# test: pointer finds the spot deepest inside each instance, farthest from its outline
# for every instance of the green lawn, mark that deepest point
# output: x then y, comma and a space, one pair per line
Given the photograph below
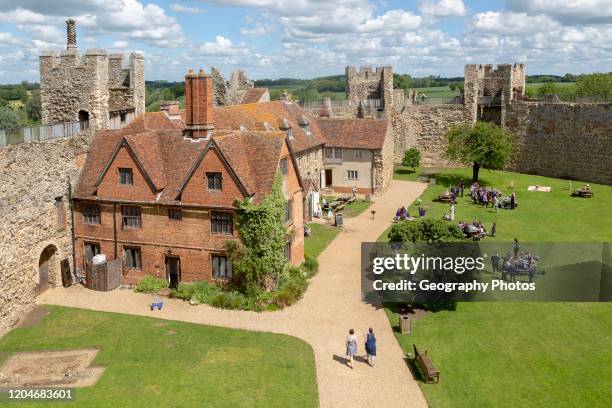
154, 363
539, 217
321, 236
353, 209
519, 354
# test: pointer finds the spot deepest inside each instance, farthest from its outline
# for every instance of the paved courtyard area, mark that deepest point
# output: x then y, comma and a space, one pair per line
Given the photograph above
331, 306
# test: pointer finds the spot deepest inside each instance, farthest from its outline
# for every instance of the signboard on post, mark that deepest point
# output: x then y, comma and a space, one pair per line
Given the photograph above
339, 219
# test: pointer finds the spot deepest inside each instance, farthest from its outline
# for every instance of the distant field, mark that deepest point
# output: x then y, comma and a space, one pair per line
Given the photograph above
536, 85
437, 91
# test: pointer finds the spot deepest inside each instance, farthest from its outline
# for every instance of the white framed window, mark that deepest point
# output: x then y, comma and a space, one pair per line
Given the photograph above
352, 174
333, 152
359, 154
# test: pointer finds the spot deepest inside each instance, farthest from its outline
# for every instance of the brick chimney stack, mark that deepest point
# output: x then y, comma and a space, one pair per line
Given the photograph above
198, 103
71, 41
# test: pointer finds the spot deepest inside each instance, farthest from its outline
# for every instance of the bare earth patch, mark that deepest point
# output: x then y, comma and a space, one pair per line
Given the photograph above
67, 368
33, 317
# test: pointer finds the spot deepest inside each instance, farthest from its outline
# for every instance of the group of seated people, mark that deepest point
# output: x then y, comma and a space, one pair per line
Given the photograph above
476, 229
403, 214
513, 266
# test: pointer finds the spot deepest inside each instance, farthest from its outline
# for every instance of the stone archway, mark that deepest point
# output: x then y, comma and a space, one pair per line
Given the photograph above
48, 268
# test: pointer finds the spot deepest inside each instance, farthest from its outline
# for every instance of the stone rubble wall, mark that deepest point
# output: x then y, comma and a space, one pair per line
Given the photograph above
564, 140
383, 163
423, 127
32, 175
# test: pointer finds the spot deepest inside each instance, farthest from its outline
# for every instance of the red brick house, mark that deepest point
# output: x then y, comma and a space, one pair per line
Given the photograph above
159, 194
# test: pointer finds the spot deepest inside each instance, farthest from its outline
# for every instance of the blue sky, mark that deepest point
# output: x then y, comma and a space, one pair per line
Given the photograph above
307, 38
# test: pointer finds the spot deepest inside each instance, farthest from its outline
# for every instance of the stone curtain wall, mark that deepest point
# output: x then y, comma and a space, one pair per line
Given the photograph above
423, 127
32, 175
562, 140
383, 163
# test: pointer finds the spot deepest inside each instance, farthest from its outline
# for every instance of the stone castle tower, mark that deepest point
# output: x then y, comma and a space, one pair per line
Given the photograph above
95, 88
366, 84
487, 90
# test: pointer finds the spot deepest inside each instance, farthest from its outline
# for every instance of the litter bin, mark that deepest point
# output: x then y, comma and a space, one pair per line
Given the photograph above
405, 324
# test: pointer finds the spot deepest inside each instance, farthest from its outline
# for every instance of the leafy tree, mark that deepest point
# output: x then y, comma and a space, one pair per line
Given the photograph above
483, 144
452, 86
259, 260
33, 108
412, 158
8, 118
427, 230
597, 84
548, 88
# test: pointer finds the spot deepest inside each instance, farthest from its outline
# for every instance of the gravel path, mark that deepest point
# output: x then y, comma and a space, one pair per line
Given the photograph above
332, 305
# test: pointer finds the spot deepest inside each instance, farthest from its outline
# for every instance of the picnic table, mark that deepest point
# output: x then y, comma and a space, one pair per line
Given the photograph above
583, 192
445, 198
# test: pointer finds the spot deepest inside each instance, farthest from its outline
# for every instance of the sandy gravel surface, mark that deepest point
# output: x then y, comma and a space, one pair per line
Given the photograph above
331, 306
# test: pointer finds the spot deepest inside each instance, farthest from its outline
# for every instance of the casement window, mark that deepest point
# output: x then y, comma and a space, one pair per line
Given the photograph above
288, 211
287, 250
91, 214
221, 267
359, 154
131, 216
283, 166
221, 223
352, 174
213, 181
333, 152
175, 214
126, 177
123, 117
132, 258
91, 249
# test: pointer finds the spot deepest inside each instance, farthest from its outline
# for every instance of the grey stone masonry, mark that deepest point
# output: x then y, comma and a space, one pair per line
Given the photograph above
89, 87
35, 216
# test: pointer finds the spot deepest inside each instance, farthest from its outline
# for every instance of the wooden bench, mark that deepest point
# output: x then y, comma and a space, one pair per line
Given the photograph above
422, 360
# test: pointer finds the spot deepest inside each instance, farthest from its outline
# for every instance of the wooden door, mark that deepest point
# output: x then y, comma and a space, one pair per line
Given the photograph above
173, 271
328, 177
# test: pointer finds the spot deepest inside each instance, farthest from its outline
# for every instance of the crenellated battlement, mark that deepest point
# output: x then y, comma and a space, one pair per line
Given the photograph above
95, 87
368, 83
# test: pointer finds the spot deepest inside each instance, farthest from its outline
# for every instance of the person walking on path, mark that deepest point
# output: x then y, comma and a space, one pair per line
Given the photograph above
370, 347
462, 186
351, 347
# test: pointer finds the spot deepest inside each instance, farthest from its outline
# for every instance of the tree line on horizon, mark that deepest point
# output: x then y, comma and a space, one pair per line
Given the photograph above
20, 103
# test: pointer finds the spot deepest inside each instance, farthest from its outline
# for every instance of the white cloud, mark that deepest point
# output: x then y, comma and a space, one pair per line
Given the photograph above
222, 47
512, 23
179, 8
567, 11
121, 44
442, 8
257, 31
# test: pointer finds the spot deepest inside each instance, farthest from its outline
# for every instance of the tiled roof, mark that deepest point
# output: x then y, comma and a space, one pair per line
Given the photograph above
253, 95
167, 158
360, 133
255, 116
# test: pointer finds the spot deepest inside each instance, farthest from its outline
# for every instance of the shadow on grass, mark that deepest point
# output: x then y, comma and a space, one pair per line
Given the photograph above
405, 171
